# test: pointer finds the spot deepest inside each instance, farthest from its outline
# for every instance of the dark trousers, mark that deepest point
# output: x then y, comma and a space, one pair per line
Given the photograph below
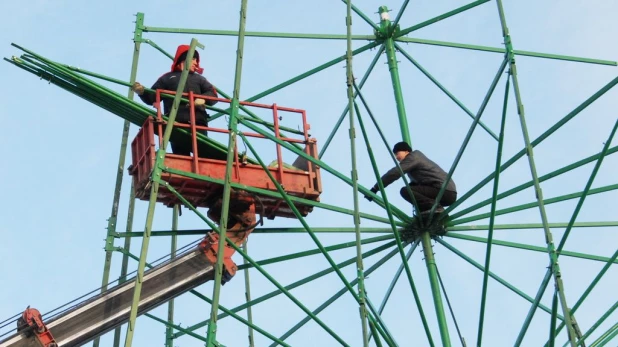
181, 144
425, 196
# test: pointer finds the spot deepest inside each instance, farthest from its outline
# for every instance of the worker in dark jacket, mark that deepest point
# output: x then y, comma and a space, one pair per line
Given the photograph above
426, 178
196, 83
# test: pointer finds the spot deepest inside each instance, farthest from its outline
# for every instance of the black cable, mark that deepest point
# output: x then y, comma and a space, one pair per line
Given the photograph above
448, 302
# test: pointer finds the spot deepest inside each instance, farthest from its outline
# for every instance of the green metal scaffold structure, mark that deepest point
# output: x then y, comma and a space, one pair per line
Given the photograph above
403, 230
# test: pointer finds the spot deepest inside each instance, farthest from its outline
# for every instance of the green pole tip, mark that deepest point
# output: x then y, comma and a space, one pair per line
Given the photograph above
382, 9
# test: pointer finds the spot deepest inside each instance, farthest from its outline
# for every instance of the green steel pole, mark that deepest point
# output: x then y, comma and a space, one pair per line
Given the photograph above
552, 324
389, 44
536, 142
345, 111
154, 191
385, 29
502, 50
125, 256
555, 267
435, 288
112, 221
443, 89
606, 337
245, 248
354, 175
436, 19
233, 127
492, 275
169, 331
492, 219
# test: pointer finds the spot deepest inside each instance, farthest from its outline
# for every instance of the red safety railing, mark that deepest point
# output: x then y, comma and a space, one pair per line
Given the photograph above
301, 180
193, 128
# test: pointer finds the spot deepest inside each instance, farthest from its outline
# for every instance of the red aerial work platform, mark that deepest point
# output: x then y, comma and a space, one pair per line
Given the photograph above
301, 179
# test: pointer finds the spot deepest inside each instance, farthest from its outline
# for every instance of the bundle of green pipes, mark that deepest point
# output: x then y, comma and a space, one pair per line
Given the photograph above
75, 81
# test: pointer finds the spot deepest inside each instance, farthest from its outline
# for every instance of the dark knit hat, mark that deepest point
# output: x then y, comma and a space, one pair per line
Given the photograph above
402, 146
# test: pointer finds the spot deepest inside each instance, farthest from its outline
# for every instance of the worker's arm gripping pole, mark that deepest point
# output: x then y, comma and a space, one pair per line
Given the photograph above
233, 127
156, 176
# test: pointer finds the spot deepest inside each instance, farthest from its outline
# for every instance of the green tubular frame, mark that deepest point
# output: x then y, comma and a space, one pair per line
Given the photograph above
387, 37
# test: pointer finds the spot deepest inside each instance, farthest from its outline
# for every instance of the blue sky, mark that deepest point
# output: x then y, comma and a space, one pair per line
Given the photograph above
60, 154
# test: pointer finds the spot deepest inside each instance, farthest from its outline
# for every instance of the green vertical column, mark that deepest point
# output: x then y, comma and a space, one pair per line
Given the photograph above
233, 128
386, 33
154, 191
112, 221
430, 261
354, 175
245, 248
169, 331
124, 268
551, 249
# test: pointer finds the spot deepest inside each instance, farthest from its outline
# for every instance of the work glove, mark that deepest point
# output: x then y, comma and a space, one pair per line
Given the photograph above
369, 197
138, 88
200, 104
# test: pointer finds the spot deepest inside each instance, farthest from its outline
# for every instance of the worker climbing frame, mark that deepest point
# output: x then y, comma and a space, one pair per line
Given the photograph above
242, 193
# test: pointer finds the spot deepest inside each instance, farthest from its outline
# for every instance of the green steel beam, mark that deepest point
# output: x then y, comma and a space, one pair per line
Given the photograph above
301, 219
400, 14
448, 303
598, 323
113, 218
502, 50
552, 324
169, 331
533, 226
388, 150
337, 295
304, 75
432, 269
389, 45
492, 218
551, 250
363, 16
531, 248
390, 216
391, 287
169, 325
225, 205
158, 48
587, 189
606, 337
354, 176
322, 165
439, 18
254, 264
574, 217
492, 275
443, 89
277, 195
536, 204
468, 136
260, 34
537, 141
125, 258
156, 176
345, 111
294, 284
530, 183
250, 336
186, 232
599, 276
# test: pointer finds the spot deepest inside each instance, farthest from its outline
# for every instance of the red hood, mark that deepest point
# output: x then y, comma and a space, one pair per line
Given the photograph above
183, 49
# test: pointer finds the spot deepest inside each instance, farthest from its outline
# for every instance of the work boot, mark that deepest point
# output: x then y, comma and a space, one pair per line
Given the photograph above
439, 209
